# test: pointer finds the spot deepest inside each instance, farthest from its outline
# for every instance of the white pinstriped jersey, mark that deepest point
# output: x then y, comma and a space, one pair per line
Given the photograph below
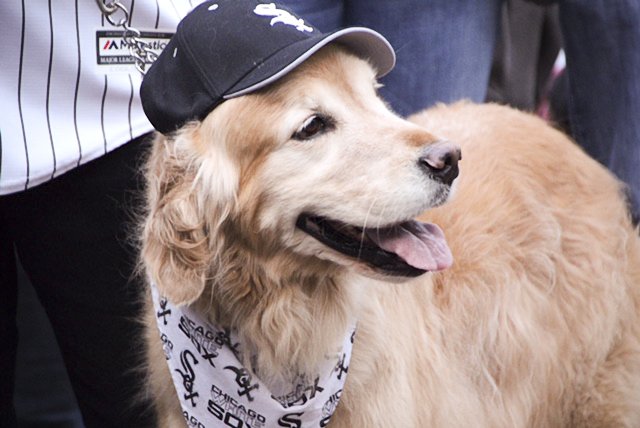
67, 94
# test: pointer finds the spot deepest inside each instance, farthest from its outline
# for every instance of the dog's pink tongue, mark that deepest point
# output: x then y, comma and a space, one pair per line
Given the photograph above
421, 245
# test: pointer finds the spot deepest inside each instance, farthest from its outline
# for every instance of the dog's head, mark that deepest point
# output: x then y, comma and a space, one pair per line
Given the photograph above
313, 173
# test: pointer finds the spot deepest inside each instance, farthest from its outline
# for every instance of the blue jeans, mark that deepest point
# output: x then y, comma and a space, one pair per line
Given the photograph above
443, 47
602, 44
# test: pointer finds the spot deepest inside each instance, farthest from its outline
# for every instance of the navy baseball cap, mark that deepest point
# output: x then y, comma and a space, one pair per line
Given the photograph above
227, 48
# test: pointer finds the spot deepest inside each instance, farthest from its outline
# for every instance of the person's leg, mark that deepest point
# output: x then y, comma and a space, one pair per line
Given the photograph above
73, 236
8, 329
43, 396
602, 44
524, 54
444, 48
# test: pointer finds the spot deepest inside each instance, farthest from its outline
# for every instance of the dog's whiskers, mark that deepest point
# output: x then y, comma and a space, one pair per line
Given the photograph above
364, 227
384, 208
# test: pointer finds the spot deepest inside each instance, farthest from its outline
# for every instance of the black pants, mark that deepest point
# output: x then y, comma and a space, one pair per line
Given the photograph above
74, 237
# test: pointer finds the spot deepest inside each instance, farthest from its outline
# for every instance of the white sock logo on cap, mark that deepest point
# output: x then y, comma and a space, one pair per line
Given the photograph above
281, 16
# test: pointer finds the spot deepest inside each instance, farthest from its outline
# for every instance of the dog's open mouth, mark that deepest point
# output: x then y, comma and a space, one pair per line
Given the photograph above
409, 248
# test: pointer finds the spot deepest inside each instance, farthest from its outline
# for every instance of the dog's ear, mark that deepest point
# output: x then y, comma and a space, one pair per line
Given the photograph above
176, 250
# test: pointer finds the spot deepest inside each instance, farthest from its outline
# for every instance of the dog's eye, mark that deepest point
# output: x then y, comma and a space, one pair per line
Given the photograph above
312, 127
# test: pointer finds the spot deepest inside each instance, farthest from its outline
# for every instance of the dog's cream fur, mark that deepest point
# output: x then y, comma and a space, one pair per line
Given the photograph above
535, 325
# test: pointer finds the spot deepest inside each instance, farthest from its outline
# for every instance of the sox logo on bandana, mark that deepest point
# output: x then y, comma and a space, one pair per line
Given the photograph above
215, 390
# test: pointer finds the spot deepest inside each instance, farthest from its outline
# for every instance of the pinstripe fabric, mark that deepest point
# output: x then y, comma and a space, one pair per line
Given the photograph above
48, 104
75, 94
60, 108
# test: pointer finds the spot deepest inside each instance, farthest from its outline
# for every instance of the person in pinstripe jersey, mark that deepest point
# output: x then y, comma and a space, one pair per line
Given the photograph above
72, 132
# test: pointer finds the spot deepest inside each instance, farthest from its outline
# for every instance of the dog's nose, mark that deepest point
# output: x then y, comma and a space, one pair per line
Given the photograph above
440, 161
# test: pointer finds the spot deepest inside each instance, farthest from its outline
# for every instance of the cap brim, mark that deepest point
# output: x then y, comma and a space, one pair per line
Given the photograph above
363, 42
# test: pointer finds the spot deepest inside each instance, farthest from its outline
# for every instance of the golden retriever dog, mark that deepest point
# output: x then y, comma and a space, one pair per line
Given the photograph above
287, 213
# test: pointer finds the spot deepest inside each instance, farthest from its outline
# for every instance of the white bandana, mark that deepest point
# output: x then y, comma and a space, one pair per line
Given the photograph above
215, 390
